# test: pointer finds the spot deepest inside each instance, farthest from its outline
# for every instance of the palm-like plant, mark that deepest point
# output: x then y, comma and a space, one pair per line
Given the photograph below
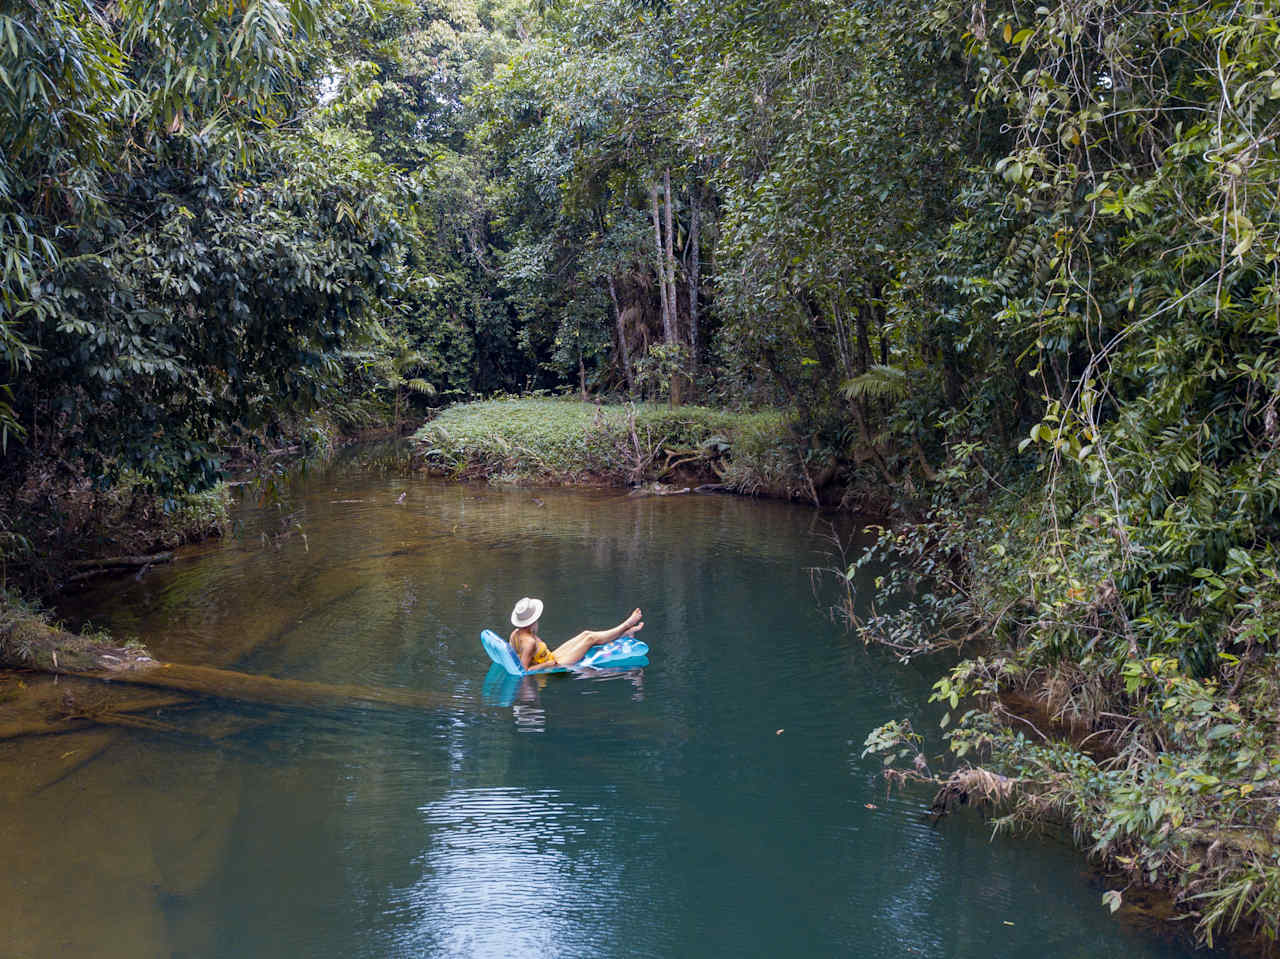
398, 371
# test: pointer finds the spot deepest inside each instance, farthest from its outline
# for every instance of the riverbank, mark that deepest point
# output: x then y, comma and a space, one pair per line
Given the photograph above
70, 531
564, 441
1101, 684
60, 526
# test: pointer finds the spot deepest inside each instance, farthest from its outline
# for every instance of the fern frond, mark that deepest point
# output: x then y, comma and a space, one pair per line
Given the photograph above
879, 382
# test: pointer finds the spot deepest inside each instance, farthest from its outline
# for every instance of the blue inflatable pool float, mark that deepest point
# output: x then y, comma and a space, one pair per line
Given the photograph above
622, 652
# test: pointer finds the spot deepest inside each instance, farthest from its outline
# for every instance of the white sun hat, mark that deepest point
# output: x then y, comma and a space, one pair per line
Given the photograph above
527, 611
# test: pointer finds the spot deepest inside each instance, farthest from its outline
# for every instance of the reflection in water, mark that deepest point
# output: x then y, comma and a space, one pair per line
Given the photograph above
503, 689
507, 874
529, 718
649, 812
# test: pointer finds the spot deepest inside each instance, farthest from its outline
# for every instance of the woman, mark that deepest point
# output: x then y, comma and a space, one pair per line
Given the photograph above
533, 653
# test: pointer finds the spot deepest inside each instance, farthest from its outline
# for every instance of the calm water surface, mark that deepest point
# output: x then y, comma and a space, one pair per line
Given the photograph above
712, 804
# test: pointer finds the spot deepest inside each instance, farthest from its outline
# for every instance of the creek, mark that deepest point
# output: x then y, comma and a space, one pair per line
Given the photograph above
713, 803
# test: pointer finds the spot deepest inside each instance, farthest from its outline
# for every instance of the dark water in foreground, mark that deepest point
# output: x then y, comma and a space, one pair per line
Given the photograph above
712, 804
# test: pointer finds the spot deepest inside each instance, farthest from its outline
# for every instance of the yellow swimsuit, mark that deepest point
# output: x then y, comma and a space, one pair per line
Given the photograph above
541, 654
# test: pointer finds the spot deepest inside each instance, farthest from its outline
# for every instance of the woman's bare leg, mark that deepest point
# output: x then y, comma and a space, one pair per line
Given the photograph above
568, 653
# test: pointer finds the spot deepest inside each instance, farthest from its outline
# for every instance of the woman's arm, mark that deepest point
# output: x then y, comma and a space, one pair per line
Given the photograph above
524, 650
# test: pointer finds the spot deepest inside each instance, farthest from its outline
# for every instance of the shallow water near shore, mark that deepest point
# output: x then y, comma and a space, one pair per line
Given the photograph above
713, 803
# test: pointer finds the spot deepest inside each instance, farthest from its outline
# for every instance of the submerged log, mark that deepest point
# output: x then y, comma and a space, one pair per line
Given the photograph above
266, 690
73, 717
31, 644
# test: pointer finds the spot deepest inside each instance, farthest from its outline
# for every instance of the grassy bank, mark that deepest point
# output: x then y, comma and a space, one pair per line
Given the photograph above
563, 440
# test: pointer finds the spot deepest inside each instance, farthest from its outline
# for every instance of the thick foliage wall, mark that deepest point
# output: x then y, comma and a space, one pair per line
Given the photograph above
186, 253
1130, 580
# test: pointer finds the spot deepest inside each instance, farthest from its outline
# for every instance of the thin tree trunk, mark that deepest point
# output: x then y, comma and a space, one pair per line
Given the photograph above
864, 404
694, 272
622, 335
677, 379
842, 339
669, 259
667, 332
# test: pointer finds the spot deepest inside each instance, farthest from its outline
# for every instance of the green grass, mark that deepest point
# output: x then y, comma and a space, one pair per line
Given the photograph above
568, 441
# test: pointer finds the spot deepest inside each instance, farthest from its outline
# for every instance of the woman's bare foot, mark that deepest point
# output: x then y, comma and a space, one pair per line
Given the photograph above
636, 628
632, 619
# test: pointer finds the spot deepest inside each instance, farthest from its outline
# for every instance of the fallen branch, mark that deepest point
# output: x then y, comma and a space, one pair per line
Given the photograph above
109, 562
266, 690
52, 725
35, 645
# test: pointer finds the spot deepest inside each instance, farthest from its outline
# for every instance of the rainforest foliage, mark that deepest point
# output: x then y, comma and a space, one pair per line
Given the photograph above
1016, 262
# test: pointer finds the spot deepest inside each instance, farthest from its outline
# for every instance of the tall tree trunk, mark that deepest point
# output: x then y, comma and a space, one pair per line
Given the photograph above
668, 334
841, 326
669, 261
622, 336
694, 272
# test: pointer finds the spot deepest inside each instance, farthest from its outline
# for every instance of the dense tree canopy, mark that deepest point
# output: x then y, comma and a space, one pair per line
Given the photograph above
193, 247
1015, 262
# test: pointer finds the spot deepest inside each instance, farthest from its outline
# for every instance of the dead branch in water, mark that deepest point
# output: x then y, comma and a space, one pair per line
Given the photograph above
971, 784
110, 562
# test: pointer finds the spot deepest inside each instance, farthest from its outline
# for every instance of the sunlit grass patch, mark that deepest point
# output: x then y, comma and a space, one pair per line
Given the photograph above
566, 440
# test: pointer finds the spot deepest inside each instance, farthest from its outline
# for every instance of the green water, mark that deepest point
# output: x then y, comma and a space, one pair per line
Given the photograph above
712, 804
